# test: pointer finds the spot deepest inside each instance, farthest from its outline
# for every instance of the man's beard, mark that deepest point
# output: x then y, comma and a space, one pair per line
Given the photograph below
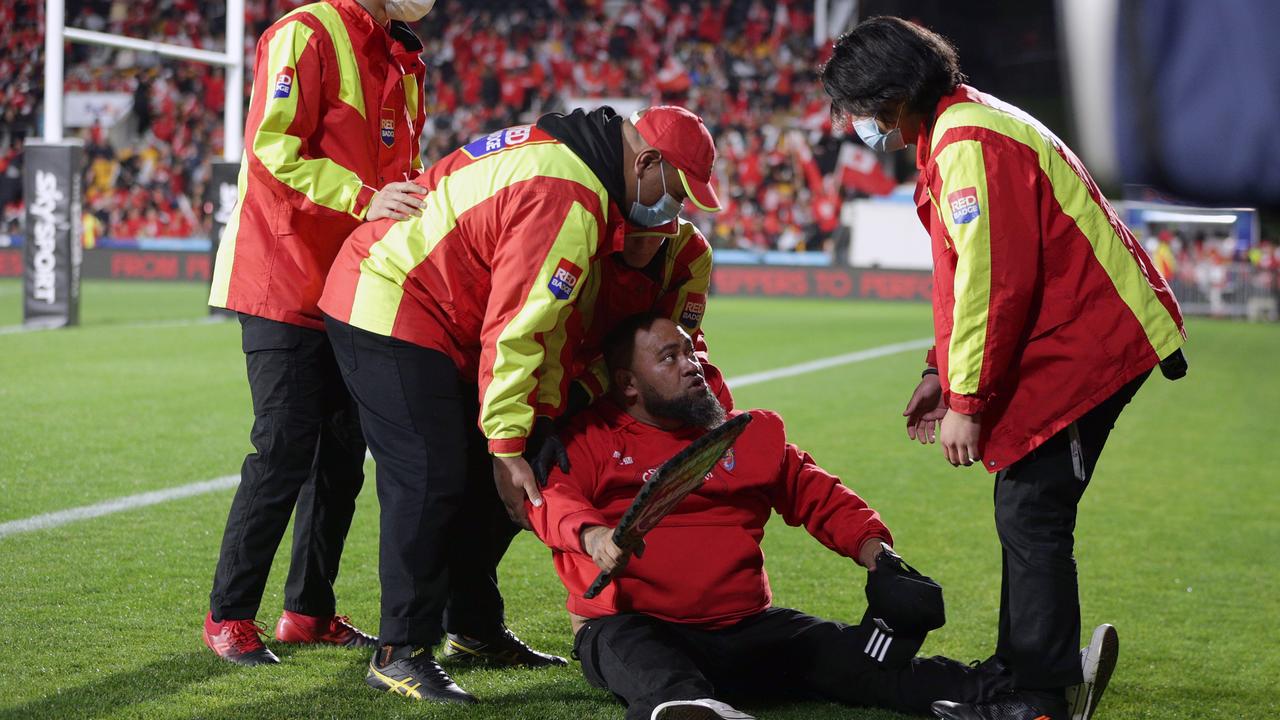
700, 410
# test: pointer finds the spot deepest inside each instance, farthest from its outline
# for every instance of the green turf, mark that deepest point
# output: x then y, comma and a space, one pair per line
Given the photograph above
1178, 535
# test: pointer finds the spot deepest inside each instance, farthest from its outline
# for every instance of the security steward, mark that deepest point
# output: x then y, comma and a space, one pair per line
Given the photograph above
1048, 317
454, 330
330, 141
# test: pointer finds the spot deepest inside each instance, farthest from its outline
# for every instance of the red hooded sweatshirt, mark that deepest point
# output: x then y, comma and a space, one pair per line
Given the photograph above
702, 564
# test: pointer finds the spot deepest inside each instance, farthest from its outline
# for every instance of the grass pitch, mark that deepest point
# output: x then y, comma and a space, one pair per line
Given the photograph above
1178, 537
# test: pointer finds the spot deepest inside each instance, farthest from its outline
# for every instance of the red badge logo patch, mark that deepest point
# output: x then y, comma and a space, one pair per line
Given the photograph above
388, 127
694, 307
564, 280
284, 83
964, 205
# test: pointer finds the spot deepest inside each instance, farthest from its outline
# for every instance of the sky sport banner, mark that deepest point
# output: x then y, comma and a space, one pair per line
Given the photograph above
220, 202
52, 251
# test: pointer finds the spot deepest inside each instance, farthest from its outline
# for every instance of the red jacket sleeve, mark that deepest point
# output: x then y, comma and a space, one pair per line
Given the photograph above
810, 496
992, 218
566, 504
538, 268
284, 112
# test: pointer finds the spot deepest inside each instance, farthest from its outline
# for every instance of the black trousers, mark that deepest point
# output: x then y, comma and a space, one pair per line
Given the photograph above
308, 454
443, 529
777, 654
1035, 507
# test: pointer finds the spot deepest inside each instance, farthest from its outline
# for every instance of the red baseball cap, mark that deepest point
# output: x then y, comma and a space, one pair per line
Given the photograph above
685, 142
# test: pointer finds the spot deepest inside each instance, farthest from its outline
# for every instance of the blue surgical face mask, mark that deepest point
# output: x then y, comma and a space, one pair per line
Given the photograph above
870, 133
661, 212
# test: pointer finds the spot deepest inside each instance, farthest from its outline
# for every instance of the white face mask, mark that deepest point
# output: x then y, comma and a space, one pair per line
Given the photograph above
409, 10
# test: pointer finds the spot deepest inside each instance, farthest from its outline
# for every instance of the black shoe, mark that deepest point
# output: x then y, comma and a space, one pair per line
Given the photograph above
1012, 706
504, 649
413, 672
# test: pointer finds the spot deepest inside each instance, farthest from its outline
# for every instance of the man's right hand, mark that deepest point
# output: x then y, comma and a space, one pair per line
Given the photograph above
925, 410
597, 541
397, 200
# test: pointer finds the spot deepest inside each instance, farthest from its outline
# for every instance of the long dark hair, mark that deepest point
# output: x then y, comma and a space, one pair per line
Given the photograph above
888, 59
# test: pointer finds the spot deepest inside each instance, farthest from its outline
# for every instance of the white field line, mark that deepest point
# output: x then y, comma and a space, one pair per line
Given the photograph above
150, 324
815, 365
131, 502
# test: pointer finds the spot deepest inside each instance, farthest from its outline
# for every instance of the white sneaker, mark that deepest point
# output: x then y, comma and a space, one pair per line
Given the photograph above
703, 709
1097, 660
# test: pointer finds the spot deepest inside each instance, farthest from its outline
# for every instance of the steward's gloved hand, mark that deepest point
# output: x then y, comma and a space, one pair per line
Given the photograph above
544, 450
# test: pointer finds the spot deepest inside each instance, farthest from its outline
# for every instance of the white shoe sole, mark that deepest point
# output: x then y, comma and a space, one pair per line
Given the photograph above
1098, 661
696, 710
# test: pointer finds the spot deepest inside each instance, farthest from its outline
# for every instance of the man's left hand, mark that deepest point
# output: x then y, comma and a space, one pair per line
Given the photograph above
959, 438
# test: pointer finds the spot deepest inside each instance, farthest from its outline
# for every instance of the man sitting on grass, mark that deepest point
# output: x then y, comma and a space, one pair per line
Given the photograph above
688, 622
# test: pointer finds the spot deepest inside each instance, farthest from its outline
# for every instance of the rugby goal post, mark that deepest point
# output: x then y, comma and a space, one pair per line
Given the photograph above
52, 192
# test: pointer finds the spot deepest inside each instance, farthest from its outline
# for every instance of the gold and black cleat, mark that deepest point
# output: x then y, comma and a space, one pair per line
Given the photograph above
501, 650
413, 672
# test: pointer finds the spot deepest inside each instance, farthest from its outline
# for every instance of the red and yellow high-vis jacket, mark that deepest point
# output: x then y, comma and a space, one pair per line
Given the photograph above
675, 286
1044, 303
489, 274
336, 113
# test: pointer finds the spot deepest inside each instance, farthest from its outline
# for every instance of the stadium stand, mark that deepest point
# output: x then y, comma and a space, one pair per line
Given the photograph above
745, 65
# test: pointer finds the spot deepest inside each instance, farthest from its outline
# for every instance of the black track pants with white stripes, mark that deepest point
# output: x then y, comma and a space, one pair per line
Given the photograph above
775, 655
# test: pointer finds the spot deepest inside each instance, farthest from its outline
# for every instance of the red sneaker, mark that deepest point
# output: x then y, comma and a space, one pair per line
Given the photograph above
237, 641
310, 630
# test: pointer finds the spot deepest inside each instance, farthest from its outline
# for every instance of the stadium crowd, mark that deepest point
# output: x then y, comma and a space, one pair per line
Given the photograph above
746, 66
1216, 271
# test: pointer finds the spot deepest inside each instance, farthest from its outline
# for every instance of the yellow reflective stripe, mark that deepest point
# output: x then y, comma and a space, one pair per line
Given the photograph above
380, 288
693, 198
410, 83
599, 369
322, 180
961, 165
699, 278
221, 284
938, 209
553, 370
411, 90
395, 255
505, 411
588, 290
1073, 196
350, 87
